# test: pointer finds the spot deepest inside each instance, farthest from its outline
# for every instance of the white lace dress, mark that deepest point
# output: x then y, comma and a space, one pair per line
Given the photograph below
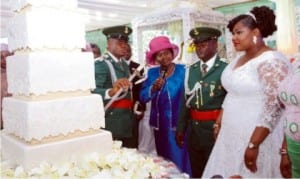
251, 101
146, 133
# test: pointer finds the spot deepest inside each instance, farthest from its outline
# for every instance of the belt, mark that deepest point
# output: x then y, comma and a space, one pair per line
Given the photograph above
122, 103
204, 115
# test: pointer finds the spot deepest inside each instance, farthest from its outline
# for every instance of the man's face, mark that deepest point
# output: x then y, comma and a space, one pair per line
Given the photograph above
96, 52
117, 47
128, 53
206, 49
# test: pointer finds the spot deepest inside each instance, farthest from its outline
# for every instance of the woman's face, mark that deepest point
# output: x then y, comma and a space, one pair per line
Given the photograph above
164, 57
242, 37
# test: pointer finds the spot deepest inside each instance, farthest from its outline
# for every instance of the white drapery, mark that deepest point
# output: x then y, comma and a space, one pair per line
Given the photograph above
286, 24
176, 21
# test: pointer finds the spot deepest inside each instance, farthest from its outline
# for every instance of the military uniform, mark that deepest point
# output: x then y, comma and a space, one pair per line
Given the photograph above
204, 97
136, 87
119, 115
139, 107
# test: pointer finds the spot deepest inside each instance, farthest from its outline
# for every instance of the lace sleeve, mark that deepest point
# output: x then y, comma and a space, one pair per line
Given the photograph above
271, 72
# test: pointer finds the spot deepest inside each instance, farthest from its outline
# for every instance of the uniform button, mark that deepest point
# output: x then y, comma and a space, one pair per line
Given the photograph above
111, 113
196, 123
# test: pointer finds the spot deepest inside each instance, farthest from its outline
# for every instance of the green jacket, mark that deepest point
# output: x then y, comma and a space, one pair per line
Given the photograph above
209, 98
117, 120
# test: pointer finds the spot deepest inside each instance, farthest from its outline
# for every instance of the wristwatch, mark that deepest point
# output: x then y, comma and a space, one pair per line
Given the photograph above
252, 146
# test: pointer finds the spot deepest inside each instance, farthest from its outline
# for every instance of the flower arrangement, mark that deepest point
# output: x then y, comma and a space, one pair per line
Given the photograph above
121, 163
191, 48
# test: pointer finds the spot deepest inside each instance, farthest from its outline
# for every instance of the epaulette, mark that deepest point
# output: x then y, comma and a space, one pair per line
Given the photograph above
105, 55
224, 60
100, 59
194, 65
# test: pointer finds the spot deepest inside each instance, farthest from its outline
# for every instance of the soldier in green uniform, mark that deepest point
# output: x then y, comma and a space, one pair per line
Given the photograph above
204, 97
111, 74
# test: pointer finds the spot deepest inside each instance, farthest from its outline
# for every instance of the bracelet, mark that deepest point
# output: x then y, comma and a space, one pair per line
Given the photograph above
251, 145
283, 151
216, 125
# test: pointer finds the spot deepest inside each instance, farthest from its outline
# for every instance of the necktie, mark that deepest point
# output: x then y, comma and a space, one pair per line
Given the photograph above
204, 69
121, 65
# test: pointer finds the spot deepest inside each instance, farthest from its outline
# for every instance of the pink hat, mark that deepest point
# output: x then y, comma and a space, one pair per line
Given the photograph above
157, 44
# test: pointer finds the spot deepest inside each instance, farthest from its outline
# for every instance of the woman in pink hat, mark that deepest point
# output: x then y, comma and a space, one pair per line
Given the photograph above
164, 87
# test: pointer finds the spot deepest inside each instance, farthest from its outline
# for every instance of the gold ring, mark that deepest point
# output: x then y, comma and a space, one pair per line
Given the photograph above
250, 163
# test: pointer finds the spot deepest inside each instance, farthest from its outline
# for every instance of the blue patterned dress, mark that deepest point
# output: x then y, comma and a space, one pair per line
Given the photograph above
165, 107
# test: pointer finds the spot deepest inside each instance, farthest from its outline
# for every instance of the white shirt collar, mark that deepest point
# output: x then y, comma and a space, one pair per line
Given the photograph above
127, 61
210, 62
115, 59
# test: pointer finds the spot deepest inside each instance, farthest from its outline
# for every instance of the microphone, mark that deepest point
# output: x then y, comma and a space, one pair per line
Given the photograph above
164, 72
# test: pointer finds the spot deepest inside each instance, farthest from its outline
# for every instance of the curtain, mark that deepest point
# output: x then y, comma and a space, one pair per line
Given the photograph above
286, 25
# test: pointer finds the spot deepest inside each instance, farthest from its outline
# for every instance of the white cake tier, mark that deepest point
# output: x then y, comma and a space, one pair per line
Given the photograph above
39, 119
30, 156
53, 71
41, 28
17, 5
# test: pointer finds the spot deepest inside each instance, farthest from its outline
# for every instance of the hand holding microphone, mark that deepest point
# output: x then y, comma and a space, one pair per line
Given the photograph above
160, 81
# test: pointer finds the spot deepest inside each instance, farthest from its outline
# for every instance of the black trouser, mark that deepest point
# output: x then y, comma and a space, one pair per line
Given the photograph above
200, 144
198, 159
131, 142
128, 142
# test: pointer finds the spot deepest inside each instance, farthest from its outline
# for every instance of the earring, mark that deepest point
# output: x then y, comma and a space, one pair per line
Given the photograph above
254, 39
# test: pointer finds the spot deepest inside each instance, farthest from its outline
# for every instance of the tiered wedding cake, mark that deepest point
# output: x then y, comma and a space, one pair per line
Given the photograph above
52, 116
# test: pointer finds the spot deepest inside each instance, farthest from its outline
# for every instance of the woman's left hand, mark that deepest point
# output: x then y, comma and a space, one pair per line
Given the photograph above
285, 166
250, 158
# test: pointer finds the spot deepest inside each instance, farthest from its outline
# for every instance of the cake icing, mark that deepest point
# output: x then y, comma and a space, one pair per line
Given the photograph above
43, 27
52, 116
51, 96
50, 71
30, 156
38, 119
21, 4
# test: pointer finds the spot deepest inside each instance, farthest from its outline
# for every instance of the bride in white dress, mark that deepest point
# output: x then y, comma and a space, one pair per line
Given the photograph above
250, 133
